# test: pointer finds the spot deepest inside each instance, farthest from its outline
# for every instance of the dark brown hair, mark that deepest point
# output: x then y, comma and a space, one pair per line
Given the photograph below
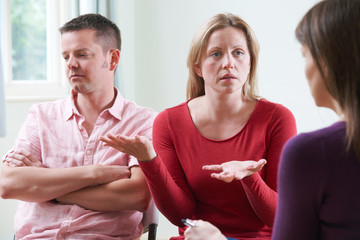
107, 33
331, 31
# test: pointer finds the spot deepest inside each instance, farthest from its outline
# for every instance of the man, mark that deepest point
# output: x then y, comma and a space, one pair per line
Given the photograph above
70, 184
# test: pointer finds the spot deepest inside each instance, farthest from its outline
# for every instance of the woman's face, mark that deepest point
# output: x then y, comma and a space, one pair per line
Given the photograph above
225, 63
316, 83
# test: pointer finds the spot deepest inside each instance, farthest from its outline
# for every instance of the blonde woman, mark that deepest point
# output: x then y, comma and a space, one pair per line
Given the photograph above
224, 124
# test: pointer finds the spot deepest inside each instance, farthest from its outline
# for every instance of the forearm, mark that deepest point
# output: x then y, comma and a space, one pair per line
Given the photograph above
262, 198
120, 195
35, 184
173, 201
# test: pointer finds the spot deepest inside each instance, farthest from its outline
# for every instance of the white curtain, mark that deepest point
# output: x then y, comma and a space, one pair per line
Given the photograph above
2, 99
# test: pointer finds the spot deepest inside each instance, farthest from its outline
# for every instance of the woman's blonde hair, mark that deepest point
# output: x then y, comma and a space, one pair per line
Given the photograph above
195, 84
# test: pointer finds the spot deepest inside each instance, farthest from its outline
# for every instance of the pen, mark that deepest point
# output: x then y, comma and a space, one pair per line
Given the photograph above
188, 222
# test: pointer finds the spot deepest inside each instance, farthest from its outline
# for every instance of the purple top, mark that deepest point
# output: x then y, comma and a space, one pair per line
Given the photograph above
319, 188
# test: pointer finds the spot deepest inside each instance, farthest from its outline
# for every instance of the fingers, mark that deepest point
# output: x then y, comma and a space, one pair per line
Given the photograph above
112, 140
19, 158
226, 177
257, 166
212, 167
108, 142
231, 170
14, 163
118, 142
139, 146
122, 172
141, 139
262, 161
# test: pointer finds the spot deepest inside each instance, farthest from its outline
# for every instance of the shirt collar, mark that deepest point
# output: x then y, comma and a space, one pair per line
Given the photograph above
115, 110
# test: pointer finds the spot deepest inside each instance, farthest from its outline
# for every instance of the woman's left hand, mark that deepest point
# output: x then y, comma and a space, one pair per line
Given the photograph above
235, 169
139, 146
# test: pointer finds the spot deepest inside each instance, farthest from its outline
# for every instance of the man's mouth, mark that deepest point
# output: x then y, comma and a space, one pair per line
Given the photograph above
76, 76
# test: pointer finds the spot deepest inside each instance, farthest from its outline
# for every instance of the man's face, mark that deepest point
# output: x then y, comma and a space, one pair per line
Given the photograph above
87, 66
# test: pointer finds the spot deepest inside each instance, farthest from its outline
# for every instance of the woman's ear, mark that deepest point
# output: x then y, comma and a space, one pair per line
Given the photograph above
115, 58
198, 70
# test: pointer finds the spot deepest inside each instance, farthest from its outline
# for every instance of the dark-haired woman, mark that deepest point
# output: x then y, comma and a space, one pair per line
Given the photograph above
319, 193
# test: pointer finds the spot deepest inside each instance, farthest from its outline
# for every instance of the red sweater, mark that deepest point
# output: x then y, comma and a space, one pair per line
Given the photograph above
181, 189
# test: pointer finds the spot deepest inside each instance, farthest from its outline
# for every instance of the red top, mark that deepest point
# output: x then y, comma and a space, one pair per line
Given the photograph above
181, 189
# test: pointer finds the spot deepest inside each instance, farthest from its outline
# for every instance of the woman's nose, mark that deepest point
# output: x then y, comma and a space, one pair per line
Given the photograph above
228, 61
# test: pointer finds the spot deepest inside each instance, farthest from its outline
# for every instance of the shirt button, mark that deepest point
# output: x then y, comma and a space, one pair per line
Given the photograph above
60, 236
88, 152
70, 218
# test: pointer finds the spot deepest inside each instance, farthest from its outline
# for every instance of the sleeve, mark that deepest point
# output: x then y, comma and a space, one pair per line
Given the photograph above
300, 191
28, 136
165, 176
262, 193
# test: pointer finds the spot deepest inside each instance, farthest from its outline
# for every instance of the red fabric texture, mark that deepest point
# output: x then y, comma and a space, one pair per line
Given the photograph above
181, 189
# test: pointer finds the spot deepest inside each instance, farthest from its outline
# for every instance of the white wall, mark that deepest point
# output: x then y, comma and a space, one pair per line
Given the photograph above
164, 30
156, 37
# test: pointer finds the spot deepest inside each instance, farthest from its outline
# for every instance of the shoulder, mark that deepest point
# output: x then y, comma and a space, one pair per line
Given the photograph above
266, 107
274, 116
132, 109
173, 113
313, 155
310, 144
49, 108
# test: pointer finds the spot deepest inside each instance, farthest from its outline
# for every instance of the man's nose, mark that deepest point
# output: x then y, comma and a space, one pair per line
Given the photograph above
72, 62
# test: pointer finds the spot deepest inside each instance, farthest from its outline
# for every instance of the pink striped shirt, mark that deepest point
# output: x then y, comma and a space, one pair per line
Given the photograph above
53, 132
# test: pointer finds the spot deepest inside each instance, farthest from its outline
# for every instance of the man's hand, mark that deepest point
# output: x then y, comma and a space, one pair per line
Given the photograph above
22, 158
108, 173
235, 169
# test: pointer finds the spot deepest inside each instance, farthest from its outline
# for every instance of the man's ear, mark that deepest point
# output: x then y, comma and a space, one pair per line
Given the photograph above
115, 58
198, 70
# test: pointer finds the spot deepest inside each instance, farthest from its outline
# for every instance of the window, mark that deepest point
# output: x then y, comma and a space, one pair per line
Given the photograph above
31, 49
28, 40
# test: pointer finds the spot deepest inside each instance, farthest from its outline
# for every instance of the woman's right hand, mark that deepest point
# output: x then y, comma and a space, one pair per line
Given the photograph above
139, 146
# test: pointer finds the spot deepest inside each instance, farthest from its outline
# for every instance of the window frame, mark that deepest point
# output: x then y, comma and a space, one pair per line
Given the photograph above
55, 86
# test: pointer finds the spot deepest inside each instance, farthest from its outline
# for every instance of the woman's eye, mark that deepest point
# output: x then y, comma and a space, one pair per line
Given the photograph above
238, 52
215, 54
